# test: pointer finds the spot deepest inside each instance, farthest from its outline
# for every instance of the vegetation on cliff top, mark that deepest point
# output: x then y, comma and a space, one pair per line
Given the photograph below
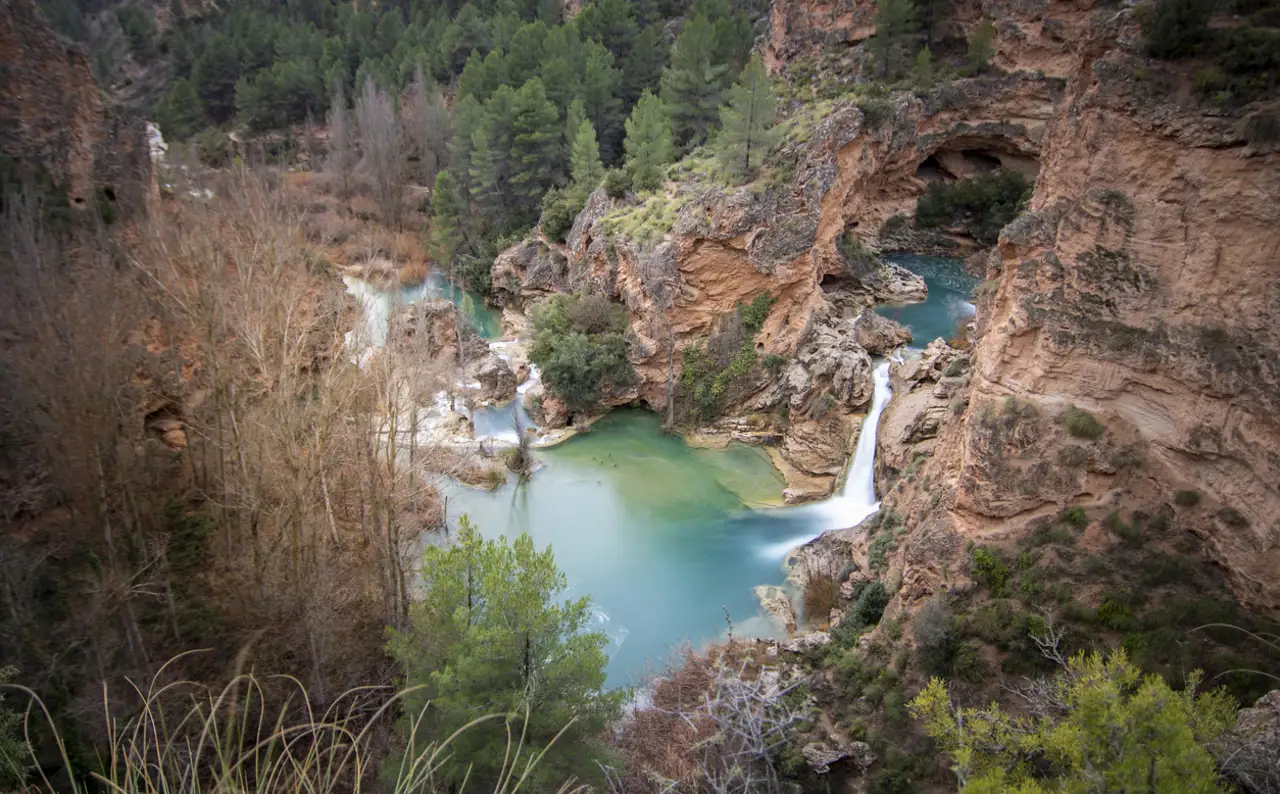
982, 205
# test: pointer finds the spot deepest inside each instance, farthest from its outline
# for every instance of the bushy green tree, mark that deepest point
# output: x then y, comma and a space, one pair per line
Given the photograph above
922, 72
610, 22
482, 75
1176, 28
139, 29
468, 116
600, 93
693, 85
895, 21
215, 74
648, 143
448, 219
747, 135
1104, 727
585, 167
493, 635
580, 345
981, 47
642, 68
537, 149
492, 155
180, 113
983, 205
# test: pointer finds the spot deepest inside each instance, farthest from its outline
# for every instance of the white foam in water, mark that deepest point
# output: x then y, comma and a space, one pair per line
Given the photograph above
857, 498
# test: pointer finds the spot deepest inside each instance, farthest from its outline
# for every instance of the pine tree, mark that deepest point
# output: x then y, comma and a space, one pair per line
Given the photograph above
692, 86
573, 118
600, 97
537, 150
931, 14
584, 160
922, 72
610, 22
895, 20
215, 74
981, 47
491, 634
482, 76
492, 155
524, 57
448, 216
746, 121
649, 147
180, 113
468, 116
643, 67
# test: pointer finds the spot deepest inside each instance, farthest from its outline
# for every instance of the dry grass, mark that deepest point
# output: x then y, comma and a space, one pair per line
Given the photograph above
259, 735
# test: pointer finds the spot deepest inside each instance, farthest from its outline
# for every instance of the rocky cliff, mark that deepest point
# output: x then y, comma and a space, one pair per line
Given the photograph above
53, 119
1141, 287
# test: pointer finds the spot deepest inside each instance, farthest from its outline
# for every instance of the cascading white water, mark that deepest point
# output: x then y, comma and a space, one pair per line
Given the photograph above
857, 497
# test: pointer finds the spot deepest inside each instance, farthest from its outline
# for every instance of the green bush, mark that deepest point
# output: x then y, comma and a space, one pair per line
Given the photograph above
869, 607
1129, 533
1233, 517
983, 205
1081, 424
1176, 28
934, 629
716, 369
139, 28
1074, 516
989, 570
1187, 498
580, 345
560, 206
875, 112
1116, 615
617, 181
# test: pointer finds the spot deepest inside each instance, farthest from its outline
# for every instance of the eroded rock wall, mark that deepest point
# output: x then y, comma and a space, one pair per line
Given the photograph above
52, 115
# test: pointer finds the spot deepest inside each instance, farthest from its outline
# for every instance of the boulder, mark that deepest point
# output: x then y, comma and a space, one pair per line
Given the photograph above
895, 284
879, 335
497, 381
807, 642
820, 756
426, 328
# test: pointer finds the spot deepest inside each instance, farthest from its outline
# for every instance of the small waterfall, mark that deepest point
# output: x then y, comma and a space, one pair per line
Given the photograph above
857, 497
860, 481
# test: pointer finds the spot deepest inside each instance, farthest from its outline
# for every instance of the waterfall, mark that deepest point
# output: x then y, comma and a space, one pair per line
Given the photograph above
857, 497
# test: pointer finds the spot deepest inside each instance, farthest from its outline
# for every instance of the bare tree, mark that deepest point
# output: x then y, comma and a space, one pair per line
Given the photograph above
340, 162
384, 152
429, 126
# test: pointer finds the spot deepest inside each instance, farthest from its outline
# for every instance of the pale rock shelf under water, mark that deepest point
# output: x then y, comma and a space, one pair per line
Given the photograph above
668, 538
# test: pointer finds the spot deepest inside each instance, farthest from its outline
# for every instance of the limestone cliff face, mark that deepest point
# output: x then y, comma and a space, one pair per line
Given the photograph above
53, 117
1141, 286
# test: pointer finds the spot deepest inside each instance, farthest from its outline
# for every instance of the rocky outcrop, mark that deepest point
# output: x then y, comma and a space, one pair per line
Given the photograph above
53, 118
496, 378
878, 335
428, 330
527, 271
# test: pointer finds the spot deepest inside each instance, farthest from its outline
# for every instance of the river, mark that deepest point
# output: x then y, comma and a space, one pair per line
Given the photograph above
670, 540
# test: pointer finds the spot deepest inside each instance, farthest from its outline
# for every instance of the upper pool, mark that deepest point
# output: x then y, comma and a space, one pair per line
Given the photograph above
949, 302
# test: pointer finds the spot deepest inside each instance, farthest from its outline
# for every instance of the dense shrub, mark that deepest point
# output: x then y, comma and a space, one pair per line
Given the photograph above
617, 181
983, 205
559, 208
1176, 28
1187, 498
933, 629
1081, 424
869, 607
1074, 516
989, 570
580, 345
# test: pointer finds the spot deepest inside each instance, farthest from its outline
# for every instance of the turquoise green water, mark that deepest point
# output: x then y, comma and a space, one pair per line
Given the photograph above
948, 305
380, 303
654, 530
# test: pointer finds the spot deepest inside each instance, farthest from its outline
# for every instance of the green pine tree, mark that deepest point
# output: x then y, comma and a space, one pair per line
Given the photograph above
895, 21
922, 72
610, 22
215, 74
692, 86
747, 135
180, 113
573, 118
468, 116
981, 47
601, 83
524, 57
643, 67
482, 76
649, 146
585, 167
448, 218
492, 635
537, 151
